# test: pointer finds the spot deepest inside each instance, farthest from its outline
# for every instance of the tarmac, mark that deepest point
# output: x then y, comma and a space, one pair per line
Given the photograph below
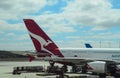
6, 68
50, 75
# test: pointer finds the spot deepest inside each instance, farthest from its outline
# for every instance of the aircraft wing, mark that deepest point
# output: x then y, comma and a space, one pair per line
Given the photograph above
66, 60
71, 60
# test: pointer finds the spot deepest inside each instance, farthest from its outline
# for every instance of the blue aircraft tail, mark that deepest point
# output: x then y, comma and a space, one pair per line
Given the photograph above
87, 45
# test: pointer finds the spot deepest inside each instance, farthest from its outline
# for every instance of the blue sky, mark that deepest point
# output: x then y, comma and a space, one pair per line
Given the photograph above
69, 23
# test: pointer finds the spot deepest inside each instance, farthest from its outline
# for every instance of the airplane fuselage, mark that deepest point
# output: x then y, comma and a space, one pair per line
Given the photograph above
112, 54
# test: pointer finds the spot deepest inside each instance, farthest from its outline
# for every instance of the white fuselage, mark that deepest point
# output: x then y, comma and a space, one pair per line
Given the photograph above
108, 54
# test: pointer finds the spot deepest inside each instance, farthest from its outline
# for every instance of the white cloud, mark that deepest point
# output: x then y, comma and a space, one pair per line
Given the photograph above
54, 23
71, 44
22, 46
13, 9
52, 2
99, 37
98, 13
6, 26
80, 43
23, 37
1, 32
10, 34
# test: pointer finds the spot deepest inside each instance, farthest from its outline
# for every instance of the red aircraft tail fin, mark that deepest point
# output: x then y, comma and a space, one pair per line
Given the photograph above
41, 41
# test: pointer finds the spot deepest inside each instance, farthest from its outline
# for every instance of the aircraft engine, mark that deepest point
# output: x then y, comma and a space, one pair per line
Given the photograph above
96, 66
118, 68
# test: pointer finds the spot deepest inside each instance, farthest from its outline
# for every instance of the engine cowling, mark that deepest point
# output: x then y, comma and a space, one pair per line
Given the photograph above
118, 68
96, 66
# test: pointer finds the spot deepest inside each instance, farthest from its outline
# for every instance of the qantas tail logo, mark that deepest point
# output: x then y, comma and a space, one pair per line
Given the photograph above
41, 41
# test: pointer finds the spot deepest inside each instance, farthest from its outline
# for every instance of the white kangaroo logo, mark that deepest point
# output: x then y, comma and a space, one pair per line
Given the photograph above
48, 42
42, 42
